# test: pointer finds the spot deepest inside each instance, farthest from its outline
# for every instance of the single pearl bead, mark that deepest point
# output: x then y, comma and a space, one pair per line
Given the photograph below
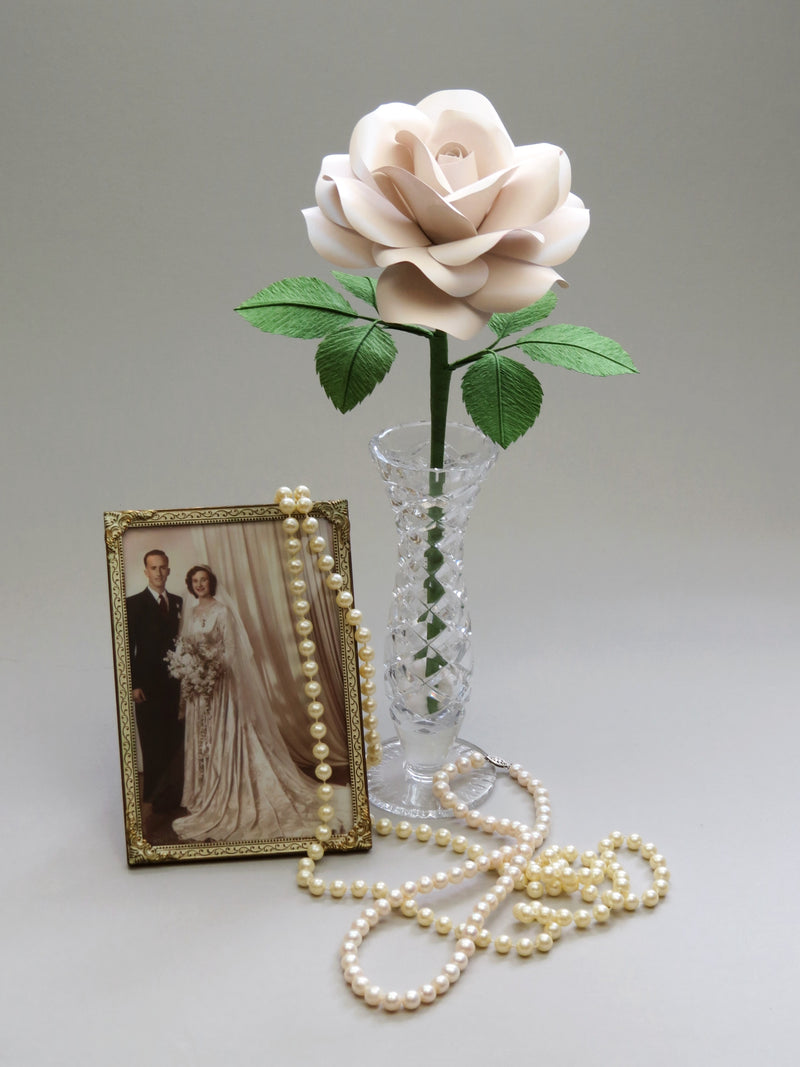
316, 887
582, 918
543, 942
441, 984
452, 970
362, 926
382, 906
395, 897
403, 829
325, 563
373, 995
344, 599
502, 944
383, 827
442, 837
425, 916
466, 945
412, 999
423, 832
427, 993
461, 959
360, 985
601, 913
380, 890
631, 902
525, 946
484, 939
325, 792
337, 889
315, 850
650, 898
444, 924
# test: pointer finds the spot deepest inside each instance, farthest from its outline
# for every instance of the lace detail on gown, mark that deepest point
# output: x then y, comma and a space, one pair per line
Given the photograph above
240, 782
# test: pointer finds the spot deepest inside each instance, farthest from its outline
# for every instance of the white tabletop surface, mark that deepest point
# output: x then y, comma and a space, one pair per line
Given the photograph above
632, 563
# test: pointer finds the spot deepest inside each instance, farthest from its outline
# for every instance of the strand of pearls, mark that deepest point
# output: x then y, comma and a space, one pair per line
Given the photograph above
555, 872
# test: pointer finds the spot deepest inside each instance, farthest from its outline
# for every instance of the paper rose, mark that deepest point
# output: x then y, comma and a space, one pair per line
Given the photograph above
461, 222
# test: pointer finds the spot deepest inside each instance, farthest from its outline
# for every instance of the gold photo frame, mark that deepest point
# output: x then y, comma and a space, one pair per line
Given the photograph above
213, 716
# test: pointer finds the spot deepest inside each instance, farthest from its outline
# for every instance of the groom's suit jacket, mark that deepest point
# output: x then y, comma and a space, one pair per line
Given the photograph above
152, 632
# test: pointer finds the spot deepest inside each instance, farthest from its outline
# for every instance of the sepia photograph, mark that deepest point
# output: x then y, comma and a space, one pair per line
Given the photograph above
214, 721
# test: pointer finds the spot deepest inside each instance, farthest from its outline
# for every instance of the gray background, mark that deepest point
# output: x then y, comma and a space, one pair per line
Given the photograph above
633, 562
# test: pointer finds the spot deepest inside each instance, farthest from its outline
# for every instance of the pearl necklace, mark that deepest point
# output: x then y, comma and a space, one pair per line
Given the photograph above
554, 873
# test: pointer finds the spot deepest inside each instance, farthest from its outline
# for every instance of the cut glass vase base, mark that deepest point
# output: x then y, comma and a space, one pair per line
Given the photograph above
392, 789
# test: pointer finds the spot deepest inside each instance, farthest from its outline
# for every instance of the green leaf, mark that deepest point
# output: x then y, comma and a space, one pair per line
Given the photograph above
577, 348
502, 397
360, 285
513, 322
297, 307
352, 360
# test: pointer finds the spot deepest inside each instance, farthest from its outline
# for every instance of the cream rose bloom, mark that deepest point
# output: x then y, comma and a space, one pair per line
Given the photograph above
461, 222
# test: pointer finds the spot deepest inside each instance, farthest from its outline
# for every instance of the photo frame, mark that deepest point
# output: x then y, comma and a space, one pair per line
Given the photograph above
213, 718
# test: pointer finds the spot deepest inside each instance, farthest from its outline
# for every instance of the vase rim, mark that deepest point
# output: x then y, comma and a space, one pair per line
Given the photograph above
460, 456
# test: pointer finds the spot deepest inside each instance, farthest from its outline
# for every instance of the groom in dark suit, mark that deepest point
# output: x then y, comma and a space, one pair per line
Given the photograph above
153, 619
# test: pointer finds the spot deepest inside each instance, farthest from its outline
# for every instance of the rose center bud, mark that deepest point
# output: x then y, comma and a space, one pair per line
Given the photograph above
458, 163
452, 148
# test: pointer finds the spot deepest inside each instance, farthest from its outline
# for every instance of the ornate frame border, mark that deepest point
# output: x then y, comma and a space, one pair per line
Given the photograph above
141, 851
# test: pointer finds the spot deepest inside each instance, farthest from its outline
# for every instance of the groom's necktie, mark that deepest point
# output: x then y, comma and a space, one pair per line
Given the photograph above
162, 603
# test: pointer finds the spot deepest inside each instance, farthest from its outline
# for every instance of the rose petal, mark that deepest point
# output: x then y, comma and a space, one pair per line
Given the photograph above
457, 253
532, 151
325, 191
405, 295
371, 215
526, 245
512, 285
336, 243
475, 200
423, 164
459, 100
458, 280
531, 194
563, 231
374, 143
438, 220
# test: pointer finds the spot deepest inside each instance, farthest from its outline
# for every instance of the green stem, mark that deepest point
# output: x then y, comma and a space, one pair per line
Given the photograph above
440, 395
440, 375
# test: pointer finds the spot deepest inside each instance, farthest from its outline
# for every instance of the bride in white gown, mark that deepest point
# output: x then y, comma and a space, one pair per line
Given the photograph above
240, 782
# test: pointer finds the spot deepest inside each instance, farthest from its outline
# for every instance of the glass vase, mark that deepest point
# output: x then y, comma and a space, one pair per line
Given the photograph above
428, 655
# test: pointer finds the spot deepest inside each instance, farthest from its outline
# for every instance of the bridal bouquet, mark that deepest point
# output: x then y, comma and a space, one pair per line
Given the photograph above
198, 664
466, 230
